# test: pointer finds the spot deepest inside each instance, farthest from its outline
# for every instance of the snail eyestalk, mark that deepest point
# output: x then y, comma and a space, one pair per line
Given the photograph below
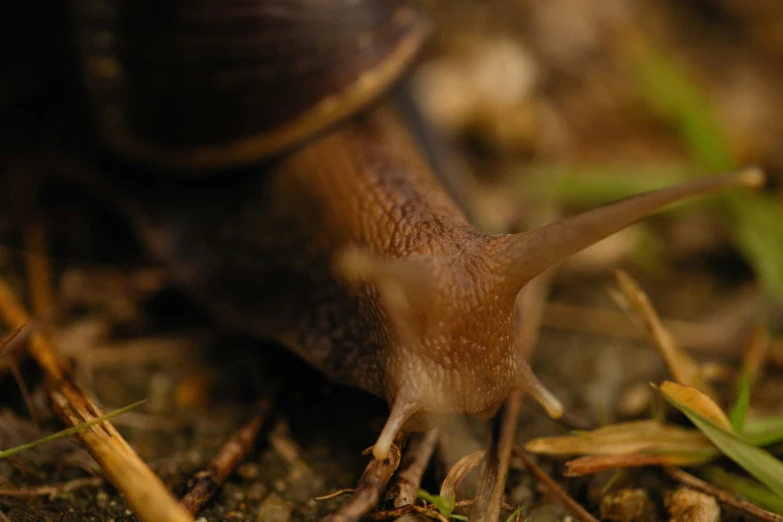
533, 387
526, 255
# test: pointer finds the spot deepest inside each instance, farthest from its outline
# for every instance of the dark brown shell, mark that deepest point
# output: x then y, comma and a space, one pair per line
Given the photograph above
202, 84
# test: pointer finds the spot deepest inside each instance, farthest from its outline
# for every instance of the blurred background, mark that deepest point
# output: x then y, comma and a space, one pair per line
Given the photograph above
540, 109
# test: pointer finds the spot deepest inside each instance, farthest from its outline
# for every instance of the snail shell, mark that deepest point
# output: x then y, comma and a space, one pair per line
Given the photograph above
205, 84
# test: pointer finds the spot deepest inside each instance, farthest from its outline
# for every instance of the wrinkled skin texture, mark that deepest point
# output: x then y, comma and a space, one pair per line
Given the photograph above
259, 252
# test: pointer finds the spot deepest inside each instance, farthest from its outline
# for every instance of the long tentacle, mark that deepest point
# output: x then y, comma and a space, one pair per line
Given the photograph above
523, 256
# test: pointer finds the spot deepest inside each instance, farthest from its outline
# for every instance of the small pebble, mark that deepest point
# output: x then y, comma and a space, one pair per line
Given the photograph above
635, 400
257, 491
248, 471
274, 509
688, 505
545, 513
102, 499
628, 505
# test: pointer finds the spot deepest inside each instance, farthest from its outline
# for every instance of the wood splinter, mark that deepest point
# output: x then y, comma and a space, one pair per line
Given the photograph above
204, 484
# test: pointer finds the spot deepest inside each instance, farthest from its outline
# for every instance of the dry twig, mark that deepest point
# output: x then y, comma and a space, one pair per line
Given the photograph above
683, 368
38, 270
281, 441
429, 510
13, 338
52, 490
334, 494
371, 484
459, 471
494, 471
145, 493
393, 514
204, 484
756, 352
722, 495
718, 333
417, 456
573, 506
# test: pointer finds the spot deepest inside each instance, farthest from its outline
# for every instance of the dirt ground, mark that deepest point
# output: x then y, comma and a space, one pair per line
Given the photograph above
518, 91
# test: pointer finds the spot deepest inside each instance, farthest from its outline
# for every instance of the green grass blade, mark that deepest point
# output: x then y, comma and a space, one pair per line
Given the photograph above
70, 431
444, 505
513, 515
757, 231
745, 488
763, 432
680, 100
756, 222
757, 462
739, 412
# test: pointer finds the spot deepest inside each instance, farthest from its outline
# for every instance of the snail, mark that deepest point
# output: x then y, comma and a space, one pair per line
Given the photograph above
316, 220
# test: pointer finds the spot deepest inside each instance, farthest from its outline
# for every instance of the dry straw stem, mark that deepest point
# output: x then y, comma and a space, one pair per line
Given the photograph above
143, 490
682, 366
334, 494
716, 334
38, 267
458, 472
427, 511
573, 506
145, 493
52, 490
417, 455
756, 352
722, 495
628, 444
497, 459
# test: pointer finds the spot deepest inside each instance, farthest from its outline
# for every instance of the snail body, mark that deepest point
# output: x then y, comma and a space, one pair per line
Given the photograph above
343, 246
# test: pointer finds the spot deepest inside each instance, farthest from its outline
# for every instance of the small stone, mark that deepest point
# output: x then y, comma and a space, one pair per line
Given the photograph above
102, 499
688, 505
635, 400
628, 505
248, 471
546, 513
274, 509
257, 491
